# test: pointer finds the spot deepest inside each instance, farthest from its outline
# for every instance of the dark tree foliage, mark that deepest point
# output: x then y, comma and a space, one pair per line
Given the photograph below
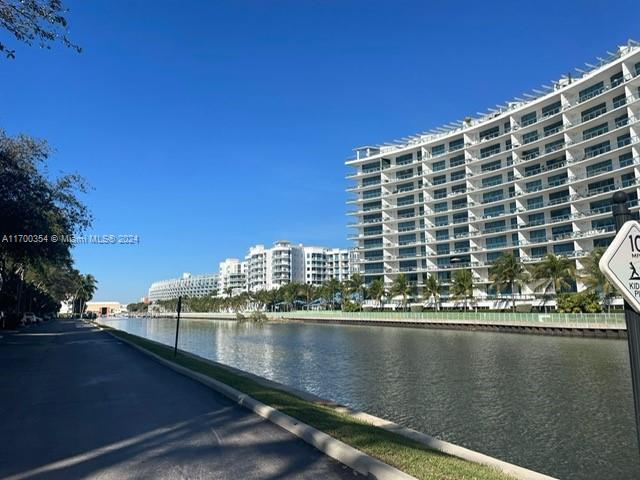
37, 273
40, 22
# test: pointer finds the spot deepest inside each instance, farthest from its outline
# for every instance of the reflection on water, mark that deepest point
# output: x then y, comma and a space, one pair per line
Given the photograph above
562, 406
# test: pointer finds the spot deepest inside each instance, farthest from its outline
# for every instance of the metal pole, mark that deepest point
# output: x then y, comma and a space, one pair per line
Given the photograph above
175, 348
621, 215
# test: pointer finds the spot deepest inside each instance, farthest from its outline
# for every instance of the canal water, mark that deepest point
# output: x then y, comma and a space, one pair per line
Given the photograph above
559, 405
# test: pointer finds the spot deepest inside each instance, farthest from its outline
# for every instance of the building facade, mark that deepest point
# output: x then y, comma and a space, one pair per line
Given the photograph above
535, 176
232, 276
188, 286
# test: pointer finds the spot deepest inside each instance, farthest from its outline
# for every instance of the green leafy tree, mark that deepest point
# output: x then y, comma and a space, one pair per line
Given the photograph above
462, 286
594, 279
330, 290
432, 290
554, 274
87, 286
403, 287
40, 22
508, 271
376, 291
356, 285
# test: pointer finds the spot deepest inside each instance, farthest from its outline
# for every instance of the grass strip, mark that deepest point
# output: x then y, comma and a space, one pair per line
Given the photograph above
403, 453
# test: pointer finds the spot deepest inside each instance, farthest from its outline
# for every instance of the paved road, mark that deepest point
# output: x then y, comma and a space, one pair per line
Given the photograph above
77, 403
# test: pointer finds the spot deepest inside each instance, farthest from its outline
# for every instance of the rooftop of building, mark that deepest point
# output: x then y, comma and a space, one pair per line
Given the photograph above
518, 103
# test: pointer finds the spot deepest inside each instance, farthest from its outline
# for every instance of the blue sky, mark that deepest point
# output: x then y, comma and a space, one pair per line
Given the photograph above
205, 127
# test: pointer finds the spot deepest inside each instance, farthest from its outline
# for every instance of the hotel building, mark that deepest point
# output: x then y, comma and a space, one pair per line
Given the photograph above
532, 177
188, 286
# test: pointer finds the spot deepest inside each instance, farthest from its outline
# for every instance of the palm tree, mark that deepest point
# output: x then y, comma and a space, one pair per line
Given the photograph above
432, 290
594, 279
376, 290
462, 285
87, 286
331, 288
356, 285
554, 273
402, 286
507, 270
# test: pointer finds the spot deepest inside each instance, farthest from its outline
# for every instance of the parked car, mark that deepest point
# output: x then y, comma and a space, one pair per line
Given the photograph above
28, 318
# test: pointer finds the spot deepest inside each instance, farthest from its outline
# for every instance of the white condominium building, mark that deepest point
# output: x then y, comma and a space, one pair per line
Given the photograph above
269, 268
188, 286
532, 177
232, 276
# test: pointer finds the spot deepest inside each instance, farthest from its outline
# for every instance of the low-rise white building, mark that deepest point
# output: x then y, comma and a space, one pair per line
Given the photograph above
188, 286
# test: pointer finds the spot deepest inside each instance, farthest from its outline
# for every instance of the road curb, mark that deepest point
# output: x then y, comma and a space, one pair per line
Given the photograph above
340, 451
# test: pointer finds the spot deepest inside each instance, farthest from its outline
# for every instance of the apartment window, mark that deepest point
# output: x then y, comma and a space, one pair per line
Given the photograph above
628, 179
555, 163
489, 133
437, 150
495, 165
553, 146
533, 186
621, 121
538, 235
371, 193
372, 242
442, 234
407, 252
560, 213
440, 193
460, 188
406, 213
601, 186
563, 248
377, 217
439, 179
494, 211
591, 92
371, 181
616, 79
559, 196
551, 109
596, 168
402, 174
490, 150
497, 242
491, 181
460, 232
535, 202
442, 221
493, 196
552, 128
440, 207
370, 231
637, 68
406, 200
601, 206
406, 226
460, 217
538, 252
456, 144
370, 167
619, 101
456, 161
603, 223
595, 131
459, 175
536, 219
625, 159
464, 245
404, 159
529, 154
623, 140
597, 149
495, 226
371, 206
530, 137
443, 249
460, 203
593, 112
528, 119
406, 239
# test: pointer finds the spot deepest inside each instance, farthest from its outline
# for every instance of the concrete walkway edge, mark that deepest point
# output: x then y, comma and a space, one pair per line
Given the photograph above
436, 444
340, 451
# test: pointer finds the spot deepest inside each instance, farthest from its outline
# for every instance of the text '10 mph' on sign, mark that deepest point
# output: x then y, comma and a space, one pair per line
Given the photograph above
621, 263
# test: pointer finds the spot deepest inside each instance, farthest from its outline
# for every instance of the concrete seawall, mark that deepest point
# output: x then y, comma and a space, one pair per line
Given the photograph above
577, 328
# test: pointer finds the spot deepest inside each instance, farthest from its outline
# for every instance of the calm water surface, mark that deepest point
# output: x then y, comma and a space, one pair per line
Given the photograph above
562, 406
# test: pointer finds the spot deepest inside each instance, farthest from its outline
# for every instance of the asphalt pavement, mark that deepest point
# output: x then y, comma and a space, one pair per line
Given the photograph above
77, 403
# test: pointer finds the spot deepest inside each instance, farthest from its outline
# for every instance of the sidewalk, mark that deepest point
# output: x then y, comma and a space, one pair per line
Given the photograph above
77, 403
